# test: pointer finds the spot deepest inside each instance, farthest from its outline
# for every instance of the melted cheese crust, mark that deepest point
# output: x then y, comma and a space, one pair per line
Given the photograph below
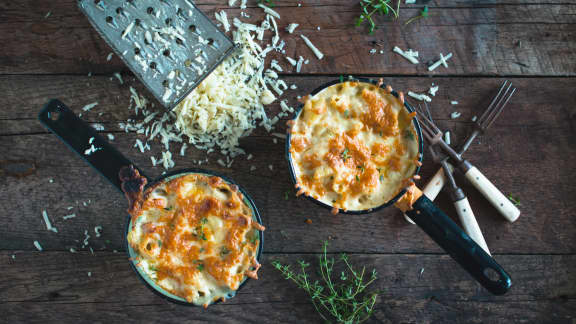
353, 146
195, 237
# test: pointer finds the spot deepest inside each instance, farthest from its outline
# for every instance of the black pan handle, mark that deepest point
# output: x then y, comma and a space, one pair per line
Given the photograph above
460, 246
80, 136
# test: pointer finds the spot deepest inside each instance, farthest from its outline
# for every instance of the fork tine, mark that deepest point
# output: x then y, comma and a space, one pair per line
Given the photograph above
428, 111
500, 109
427, 129
427, 134
487, 111
495, 108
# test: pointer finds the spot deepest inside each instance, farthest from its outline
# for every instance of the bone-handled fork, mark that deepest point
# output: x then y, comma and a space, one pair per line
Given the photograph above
434, 136
498, 200
461, 203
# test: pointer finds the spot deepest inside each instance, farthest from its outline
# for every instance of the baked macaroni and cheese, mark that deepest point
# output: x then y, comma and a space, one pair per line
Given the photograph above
195, 237
353, 146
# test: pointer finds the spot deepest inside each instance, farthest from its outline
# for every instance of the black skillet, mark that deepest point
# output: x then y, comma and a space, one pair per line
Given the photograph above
74, 132
433, 221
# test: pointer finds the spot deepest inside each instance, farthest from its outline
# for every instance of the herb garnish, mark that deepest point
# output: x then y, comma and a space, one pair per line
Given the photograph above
371, 7
357, 178
159, 243
344, 154
361, 167
341, 78
408, 135
270, 3
514, 200
168, 208
423, 14
224, 251
200, 267
255, 237
346, 113
286, 194
346, 300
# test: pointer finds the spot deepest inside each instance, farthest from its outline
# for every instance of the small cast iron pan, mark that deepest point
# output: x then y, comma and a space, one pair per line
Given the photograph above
74, 132
432, 220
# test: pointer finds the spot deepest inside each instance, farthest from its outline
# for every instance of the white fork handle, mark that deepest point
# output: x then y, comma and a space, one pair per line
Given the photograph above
496, 198
433, 187
469, 223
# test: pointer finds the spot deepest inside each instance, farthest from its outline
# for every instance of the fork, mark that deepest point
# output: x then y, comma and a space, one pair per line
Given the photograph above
434, 136
461, 203
433, 187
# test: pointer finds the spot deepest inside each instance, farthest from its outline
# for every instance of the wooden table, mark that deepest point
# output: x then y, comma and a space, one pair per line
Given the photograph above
48, 49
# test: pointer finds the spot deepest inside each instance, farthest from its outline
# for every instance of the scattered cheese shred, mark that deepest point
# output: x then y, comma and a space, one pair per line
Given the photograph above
68, 216
447, 137
433, 89
290, 29
38, 246
316, 51
421, 97
455, 115
409, 55
90, 106
48, 224
269, 11
441, 61
453, 102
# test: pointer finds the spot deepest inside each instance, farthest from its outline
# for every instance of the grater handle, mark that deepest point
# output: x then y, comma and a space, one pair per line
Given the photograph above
76, 133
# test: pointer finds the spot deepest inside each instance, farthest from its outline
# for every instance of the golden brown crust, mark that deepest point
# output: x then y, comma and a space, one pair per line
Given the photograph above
195, 227
353, 145
409, 198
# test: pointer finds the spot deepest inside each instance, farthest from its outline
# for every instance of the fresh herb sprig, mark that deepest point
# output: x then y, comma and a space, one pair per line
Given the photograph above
269, 3
514, 200
343, 298
378, 7
423, 14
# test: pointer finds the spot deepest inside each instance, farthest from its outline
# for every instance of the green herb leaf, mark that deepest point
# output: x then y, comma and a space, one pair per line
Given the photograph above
346, 113
286, 195
344, 301
204, 220
159, 243
514, 200
408, 134
224, 251
344, 154
357, 178
200, 267
370, 8
423, 14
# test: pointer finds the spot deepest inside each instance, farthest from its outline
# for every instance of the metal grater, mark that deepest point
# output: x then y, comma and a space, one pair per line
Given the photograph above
170, 45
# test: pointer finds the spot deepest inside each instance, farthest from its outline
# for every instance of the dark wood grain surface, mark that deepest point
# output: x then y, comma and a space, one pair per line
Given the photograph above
529, 153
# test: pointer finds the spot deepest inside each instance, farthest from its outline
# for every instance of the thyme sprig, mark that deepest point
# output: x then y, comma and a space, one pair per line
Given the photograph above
423, 14
378, 7
343, 298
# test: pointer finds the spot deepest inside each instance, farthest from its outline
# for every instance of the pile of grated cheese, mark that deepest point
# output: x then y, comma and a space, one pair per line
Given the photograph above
227, 105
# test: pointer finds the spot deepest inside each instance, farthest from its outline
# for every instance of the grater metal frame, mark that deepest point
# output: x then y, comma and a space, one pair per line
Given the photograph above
140, 74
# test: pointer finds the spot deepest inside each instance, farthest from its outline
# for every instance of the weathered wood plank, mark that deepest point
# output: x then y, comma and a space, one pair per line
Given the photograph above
486, 38
56, 287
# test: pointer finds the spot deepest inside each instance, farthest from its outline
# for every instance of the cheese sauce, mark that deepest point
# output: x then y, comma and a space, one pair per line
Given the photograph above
195, 237
353, 146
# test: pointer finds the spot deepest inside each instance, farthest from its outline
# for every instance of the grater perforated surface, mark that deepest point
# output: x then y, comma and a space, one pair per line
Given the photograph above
170, 45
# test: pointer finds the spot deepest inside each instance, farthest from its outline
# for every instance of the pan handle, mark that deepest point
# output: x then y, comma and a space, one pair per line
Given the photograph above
460, 246
84, 140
